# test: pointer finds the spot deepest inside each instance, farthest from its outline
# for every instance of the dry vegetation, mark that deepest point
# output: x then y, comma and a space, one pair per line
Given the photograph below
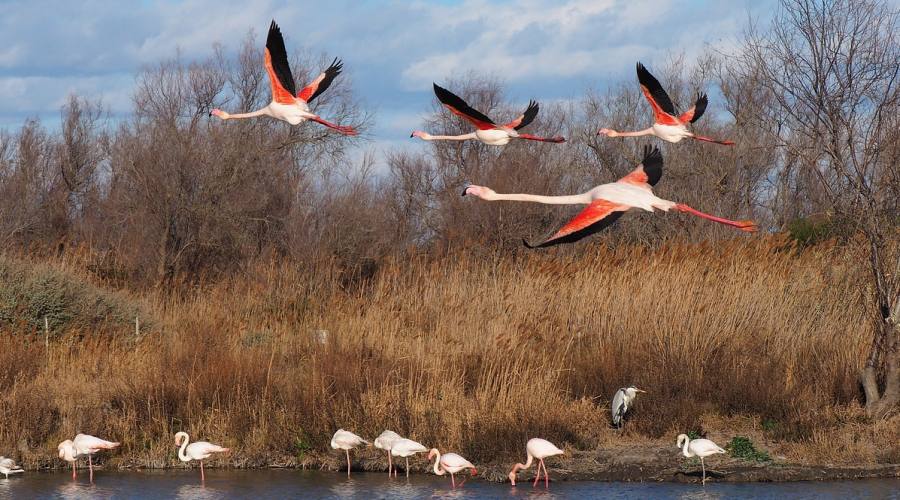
471, 353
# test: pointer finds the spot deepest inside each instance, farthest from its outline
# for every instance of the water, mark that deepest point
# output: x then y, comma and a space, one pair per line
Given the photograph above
279, 484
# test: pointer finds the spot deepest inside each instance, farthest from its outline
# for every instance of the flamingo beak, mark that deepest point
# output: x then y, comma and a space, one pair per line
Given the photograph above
474, 471
412, 134
465, 190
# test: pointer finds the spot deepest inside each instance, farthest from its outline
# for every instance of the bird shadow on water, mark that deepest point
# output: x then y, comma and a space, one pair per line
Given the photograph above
199, 491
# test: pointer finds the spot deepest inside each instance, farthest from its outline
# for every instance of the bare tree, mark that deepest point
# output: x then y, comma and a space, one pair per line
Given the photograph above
831, 72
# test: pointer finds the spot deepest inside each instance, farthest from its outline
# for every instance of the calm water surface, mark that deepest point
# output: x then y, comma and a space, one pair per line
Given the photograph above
264, 484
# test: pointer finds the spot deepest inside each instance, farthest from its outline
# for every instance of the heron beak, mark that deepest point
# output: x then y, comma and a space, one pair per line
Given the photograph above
641, 390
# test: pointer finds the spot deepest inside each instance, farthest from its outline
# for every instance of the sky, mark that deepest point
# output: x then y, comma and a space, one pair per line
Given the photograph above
392, 51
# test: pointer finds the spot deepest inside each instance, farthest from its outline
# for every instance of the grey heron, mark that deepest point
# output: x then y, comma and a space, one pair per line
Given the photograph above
621, 403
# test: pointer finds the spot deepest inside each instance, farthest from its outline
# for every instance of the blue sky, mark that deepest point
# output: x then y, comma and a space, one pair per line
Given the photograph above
392, 51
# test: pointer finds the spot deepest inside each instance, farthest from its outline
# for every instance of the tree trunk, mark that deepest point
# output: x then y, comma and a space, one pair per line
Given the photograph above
885, 347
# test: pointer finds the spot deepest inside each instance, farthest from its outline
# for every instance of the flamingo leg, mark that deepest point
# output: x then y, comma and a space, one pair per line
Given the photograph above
340, 128
202, 474
390, 467
537, 477
707, 139
407, 467
452, 481
348, 462
743, 225
703, 466
91, 468
74, 475
546, 476
530, 137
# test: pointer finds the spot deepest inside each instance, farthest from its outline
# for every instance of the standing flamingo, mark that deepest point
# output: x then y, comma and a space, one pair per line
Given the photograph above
540, 449
607, 202
346, 440
450, 462
621, 403
83, 444
698, 448
9, 466
385, 441
287, 104
667, 125
406, 448
201, 450
487, 131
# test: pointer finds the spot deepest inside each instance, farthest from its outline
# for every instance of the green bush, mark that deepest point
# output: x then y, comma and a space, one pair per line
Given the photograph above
29, 293
741, 447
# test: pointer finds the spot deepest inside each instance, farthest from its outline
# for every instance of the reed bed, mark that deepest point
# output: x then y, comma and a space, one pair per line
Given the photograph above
474, 353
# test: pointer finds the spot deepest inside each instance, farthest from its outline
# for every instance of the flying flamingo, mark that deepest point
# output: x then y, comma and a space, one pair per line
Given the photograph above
698, 448
607, 202
83, 444
540, 449
346, 440
621, 403
385, 441
406, 448
9, 466
201, 450
450, 462
667, 125
287, 104
487, 131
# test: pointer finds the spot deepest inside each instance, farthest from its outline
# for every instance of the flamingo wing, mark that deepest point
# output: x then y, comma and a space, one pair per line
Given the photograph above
659, 100
321, 83
458, 107
649, 171
599, 215
696, 110
280, 76
525, 118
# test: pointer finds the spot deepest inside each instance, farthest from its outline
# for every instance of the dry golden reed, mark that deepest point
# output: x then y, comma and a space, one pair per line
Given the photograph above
472, 353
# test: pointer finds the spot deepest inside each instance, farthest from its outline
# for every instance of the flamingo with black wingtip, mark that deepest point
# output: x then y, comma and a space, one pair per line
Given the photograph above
486, 131
607, 202
287, 104
668, 125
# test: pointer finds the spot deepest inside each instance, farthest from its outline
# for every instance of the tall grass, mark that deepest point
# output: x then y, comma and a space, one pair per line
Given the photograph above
470, 353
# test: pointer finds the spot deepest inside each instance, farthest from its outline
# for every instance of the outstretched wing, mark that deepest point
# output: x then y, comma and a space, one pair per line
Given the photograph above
599, 215
649, 171
321, 83
663, 109
280, 76
459, 107
696, 110
525, 118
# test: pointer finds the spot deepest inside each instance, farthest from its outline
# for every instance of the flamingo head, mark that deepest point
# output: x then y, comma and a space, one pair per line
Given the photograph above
219, 113
180, 437
485, 193
608, 132
67, 450
432, 453
512, 478
474, 471
420, 134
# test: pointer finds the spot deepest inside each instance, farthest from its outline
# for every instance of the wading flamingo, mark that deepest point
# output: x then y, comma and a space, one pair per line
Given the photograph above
201, 450
9, 466
698, 448
287, 104
668, 125
450, 462
83, 444
385, 441
540, 449
406, 448
487, 131
621, 403
346, 440
607, 202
